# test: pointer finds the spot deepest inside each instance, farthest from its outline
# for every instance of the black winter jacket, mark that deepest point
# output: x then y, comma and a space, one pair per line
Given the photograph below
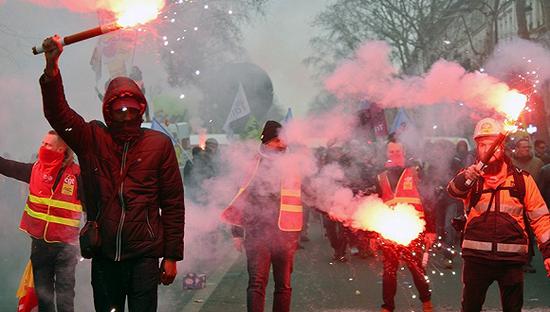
127, 182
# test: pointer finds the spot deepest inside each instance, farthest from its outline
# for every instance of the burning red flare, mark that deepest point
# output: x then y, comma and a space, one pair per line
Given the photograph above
202, 139
128, 13
132, 12
512, 104
401, 223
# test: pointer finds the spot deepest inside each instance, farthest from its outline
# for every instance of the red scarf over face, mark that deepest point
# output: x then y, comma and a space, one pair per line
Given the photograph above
49, 161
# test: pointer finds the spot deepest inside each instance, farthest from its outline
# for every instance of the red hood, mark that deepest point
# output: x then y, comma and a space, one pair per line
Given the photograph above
118, 86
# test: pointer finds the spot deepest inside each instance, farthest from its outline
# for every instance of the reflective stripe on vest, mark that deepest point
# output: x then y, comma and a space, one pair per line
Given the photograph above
537, 213
290, 208
48, 218
404, 200
405, 190
500, 247
55, 203
53, 214
290, 211
512, 210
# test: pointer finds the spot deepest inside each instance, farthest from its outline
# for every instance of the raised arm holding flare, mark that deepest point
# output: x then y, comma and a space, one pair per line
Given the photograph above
130, 174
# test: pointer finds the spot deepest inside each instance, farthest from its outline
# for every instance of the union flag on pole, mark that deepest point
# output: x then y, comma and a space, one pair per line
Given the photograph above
28, 302
239, 109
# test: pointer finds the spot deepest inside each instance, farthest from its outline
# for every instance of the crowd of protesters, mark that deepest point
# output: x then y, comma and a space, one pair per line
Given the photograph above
133, 194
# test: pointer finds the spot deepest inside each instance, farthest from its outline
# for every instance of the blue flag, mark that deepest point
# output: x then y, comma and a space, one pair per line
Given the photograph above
401, 122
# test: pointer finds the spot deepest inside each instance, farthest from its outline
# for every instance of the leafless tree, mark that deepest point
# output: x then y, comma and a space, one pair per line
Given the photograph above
201, 36
410, 26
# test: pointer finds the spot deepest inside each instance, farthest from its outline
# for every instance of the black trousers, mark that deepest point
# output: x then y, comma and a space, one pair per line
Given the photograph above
262, 252
477, 277
337, 235
135, 279
392, 255
53, 267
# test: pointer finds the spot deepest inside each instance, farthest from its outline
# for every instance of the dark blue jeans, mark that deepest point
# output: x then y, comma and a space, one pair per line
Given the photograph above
53, 267
113, 281
262, 252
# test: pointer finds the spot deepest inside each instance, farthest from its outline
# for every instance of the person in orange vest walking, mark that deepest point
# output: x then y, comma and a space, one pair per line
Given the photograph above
266, 218
399, 183
52, 219
500, 202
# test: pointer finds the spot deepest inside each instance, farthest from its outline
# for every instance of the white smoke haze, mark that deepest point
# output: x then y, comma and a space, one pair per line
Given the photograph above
370, 75
519, 56
18, 104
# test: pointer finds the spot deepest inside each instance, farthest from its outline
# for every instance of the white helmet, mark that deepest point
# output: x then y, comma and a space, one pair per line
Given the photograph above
487, 127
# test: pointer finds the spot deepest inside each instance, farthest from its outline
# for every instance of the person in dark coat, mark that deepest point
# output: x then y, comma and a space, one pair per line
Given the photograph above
130, 175
267, 218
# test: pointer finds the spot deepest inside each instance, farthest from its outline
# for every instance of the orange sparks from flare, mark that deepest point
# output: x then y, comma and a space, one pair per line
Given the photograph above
401, 223
512, 104
132, 12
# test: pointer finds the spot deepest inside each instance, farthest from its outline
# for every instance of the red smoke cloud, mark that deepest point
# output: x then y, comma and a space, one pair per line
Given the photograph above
320, 130
370, 75
81, 6
85, 6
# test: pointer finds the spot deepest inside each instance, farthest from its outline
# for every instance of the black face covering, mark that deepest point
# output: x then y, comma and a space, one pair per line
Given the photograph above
124, 131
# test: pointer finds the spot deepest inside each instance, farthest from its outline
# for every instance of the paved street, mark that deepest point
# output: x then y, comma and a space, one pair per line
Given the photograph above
320, 285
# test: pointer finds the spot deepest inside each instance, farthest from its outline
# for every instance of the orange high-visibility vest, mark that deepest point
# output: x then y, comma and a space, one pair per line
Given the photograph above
290, 208
53, 215
406, 190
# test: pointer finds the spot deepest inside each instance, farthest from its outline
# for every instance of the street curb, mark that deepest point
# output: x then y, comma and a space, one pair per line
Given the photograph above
200, 297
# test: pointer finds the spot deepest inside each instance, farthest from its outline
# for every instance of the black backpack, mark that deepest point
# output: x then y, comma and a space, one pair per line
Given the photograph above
517, 191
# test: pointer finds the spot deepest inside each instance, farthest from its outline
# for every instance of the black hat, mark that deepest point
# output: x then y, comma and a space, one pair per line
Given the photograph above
271, 131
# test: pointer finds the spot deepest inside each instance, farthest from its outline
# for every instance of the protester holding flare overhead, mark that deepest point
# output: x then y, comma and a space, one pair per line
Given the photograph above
499, 204
52, 219
267, 217
130, 175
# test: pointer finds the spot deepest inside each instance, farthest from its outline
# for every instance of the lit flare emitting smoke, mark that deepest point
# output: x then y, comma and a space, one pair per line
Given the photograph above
202, 138
513, 103
128, 13
400, 224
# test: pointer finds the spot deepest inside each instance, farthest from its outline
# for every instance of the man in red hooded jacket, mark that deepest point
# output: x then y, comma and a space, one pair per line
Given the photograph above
130, 174
52, 219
